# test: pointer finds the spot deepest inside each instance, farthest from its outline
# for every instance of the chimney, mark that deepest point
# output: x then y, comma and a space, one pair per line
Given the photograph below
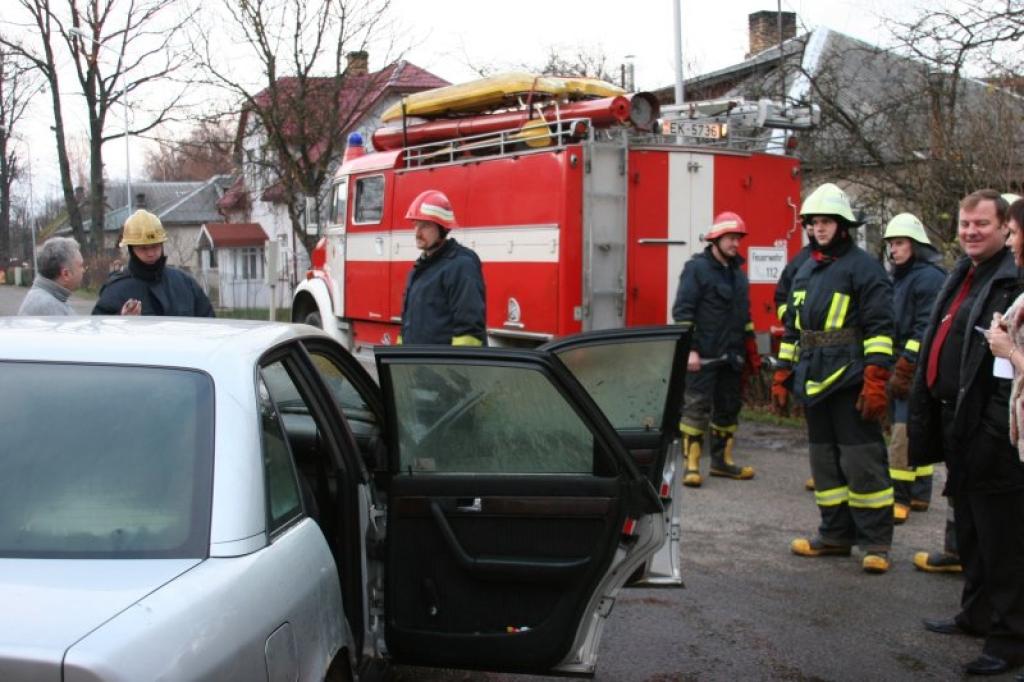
140, 200
357, 63
764, 29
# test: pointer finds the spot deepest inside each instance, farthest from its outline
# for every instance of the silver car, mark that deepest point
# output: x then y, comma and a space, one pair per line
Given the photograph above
226, 500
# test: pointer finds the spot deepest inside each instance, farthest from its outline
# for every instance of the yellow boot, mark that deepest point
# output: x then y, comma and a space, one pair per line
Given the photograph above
722, 463
691, 456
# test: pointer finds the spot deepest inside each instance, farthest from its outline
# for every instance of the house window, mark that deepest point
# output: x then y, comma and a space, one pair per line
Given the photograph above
213, 258
369, 203
249, 263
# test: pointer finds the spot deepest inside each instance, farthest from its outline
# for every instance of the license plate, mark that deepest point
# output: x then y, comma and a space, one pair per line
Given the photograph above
685, 128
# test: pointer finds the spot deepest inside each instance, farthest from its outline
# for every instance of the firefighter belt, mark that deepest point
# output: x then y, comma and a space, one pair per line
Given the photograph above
838, 337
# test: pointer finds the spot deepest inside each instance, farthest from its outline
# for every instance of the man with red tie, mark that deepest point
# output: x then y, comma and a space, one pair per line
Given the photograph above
959, 408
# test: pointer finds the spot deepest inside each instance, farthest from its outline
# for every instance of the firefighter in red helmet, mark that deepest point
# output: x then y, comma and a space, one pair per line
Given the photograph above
714, 299
444, 294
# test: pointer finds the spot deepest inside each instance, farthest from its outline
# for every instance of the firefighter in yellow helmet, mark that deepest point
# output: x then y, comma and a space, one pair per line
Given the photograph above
916, 280
836, 354
158, 288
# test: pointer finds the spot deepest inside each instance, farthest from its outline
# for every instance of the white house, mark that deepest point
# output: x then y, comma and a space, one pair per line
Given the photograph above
232, 261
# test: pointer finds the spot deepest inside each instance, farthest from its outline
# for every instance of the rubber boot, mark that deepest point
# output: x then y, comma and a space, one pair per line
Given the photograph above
875, 562
721, 457
691, 457
900, 512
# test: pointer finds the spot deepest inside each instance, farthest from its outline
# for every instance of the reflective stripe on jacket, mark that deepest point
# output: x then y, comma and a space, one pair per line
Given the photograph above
848, 292
785, 282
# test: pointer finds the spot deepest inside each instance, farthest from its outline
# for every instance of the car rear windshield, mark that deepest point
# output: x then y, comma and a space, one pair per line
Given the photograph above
104, 461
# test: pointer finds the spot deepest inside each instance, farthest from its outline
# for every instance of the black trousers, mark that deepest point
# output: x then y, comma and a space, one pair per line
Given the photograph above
990, 539
712, 397
850, 466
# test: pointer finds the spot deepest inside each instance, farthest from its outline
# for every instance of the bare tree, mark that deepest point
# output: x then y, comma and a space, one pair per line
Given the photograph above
909, 128
305, 99
137, 36
17, 86
206, 150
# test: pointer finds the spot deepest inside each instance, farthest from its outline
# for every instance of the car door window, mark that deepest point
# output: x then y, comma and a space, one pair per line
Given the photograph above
632, 397
456, 418
283, 499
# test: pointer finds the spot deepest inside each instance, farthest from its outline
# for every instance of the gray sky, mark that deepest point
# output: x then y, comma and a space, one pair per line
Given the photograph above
444, 36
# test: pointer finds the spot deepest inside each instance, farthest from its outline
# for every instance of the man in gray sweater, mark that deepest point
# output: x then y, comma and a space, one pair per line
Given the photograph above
60, 272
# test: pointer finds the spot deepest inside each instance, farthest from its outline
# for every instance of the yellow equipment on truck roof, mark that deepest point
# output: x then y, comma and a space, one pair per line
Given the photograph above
494, 92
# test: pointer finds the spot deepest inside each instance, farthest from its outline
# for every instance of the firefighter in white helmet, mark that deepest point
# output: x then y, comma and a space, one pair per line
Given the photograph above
714, 299
916, 280
148, 284
445, 301
836, 355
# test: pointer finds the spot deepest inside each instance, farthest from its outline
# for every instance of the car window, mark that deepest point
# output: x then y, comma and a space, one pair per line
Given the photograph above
486, 419
628, 381
105, 461
283, 501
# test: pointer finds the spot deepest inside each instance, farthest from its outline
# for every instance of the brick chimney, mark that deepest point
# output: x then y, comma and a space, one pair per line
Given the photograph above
357, 63
764, 29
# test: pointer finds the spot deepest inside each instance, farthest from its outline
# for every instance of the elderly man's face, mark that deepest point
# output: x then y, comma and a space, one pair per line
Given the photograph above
71, 274
980, 232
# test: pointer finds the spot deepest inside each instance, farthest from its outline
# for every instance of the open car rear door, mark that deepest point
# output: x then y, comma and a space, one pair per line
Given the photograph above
637, 378
515, 512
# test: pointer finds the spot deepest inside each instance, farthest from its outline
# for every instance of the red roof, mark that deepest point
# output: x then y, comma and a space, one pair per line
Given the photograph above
229, 235
358, 96
236, 197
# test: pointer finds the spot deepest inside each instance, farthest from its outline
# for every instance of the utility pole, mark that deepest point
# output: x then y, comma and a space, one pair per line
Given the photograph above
677, 19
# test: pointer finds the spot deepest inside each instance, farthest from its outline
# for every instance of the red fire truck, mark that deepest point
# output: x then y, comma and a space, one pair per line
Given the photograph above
583, 212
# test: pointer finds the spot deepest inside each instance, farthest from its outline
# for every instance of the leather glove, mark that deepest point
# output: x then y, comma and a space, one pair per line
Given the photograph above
873, 403
753, 357
780, 394
902, 376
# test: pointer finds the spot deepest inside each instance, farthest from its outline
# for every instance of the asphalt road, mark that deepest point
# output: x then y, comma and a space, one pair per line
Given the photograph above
753, 611
750, 609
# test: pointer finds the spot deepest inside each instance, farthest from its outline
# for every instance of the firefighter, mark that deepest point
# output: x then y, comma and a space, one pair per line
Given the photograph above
713, 299
835, 357
782, 291
148, 286
916, 281
444, 294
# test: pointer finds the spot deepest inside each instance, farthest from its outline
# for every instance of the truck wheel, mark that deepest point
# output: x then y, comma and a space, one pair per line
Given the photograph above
313, 320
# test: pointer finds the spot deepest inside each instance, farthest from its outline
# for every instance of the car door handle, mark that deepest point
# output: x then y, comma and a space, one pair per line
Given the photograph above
507, 568
467, 505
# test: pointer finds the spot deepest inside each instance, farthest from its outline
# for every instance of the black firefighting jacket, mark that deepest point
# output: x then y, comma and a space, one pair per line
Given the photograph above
848, 296
914, 288
785, 282
445, 301
714, 299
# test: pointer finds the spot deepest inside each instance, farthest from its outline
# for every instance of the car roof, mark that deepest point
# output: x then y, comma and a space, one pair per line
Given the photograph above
200, 343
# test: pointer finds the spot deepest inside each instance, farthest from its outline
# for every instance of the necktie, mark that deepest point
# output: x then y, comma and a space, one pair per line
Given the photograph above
944, 326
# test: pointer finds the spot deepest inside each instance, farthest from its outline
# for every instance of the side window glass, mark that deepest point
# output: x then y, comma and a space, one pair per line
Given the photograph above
361, 419
369, 206
283, 500
487, 419
339, 203
628, 381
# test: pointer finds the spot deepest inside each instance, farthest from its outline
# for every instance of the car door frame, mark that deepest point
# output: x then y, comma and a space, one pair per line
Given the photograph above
638, 512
